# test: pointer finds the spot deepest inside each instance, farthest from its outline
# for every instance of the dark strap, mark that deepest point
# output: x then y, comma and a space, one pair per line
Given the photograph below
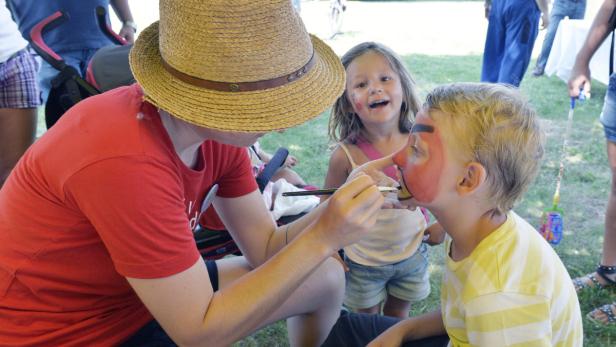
603, 271
612, 55
373, 154
612, 26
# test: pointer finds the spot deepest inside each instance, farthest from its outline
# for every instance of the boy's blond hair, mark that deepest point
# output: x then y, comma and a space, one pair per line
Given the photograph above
495, 126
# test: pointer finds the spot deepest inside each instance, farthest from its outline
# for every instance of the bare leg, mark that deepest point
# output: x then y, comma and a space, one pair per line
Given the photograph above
17, 132
395, 307
291, 176
313, 308
609, 241
608, 257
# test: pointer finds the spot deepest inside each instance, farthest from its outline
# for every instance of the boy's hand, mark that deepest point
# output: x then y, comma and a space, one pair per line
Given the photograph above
350, 212
392, 337
434, 234
414, 328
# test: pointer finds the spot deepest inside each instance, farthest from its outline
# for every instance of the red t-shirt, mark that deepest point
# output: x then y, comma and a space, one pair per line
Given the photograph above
102, 196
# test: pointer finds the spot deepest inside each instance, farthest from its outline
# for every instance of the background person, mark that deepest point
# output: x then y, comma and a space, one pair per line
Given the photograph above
75, 40
605, 274
574, 9
19, 94
512, 30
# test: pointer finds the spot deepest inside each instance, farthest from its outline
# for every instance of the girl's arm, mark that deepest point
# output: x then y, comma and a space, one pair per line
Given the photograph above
338, 170
435, 233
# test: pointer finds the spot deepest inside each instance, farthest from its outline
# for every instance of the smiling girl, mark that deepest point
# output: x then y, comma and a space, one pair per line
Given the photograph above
372, 119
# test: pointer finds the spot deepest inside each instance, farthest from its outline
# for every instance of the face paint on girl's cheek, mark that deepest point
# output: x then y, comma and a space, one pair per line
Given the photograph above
356, 103
421, 175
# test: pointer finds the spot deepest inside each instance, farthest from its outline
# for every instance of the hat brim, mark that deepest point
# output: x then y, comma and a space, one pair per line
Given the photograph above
255, 111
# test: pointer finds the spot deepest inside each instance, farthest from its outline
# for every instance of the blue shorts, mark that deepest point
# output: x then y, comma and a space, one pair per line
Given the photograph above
366, 286
18, 86
608, 115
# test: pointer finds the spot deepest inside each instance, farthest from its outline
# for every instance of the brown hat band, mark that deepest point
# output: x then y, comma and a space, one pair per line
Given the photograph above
241, 86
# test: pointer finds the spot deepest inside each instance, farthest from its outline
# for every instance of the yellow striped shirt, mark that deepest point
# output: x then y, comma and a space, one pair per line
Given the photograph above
512, 290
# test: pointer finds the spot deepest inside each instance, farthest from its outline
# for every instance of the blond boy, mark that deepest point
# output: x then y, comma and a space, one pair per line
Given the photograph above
474, 150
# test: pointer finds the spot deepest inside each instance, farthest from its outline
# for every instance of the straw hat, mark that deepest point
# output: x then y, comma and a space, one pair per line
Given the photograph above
235, 65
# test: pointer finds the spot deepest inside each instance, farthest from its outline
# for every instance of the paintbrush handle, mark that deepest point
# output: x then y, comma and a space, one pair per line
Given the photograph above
330, 191
310, 192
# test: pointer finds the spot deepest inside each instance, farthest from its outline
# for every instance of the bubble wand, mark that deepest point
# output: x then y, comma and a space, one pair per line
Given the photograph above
552, 219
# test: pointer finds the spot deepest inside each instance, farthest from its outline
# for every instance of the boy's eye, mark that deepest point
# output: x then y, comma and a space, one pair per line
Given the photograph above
385, 78
361, 85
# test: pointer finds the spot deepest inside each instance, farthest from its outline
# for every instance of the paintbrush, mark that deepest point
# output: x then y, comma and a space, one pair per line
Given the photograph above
331, 191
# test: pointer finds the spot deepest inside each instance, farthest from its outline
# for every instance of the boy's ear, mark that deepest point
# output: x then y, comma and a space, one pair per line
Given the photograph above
474, 176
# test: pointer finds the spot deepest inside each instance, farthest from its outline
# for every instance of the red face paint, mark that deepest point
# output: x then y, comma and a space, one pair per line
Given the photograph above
421, 161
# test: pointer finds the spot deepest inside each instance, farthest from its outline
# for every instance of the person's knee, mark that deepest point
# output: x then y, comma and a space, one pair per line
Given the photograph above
331, 275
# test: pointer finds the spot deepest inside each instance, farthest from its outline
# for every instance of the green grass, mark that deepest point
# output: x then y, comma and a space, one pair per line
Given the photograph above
583, 193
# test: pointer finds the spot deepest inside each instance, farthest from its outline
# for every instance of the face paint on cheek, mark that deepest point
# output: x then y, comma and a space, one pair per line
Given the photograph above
421, 176
357, 105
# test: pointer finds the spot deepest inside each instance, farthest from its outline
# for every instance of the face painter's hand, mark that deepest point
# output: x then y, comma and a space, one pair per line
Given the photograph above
392, 202
350, 213
375, 169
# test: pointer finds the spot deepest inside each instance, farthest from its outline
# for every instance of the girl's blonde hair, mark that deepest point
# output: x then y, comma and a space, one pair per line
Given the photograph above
495, 126
344, 124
